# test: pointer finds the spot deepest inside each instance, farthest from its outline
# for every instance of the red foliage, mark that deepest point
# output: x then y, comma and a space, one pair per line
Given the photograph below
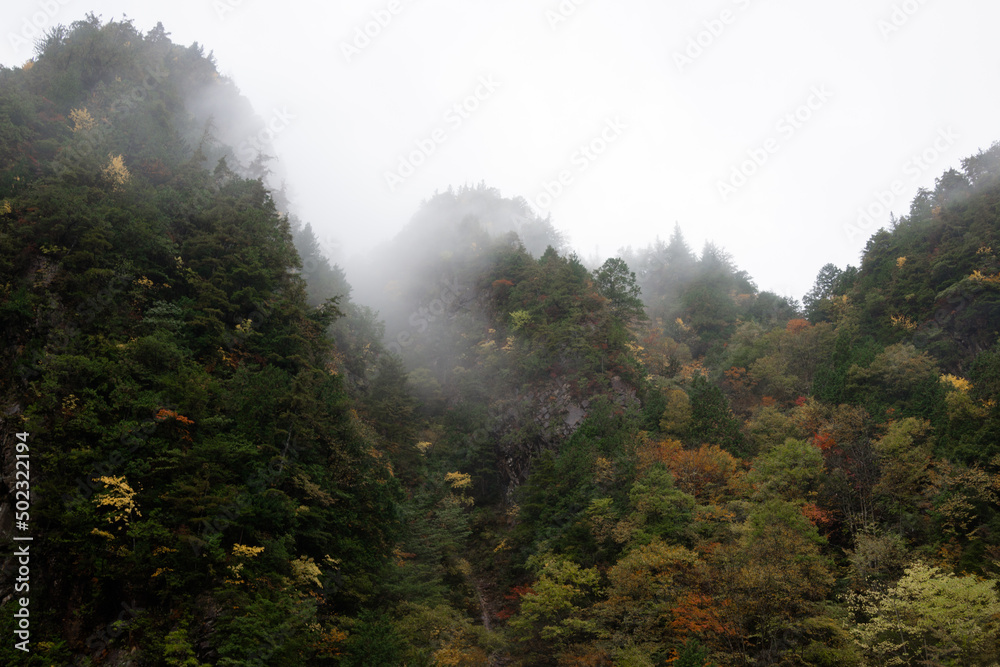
825, 442
817, 515
518, 592
503, 282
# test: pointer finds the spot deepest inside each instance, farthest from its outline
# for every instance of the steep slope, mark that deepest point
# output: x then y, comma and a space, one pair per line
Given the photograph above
195, 457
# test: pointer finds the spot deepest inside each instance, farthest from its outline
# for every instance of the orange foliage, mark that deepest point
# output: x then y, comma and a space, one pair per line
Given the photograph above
797, 325
767, 401
659, 451
817, 515
739, 385
688, 371
697, 614
184, 422
164, 414
330, 642
503, 282
702, 472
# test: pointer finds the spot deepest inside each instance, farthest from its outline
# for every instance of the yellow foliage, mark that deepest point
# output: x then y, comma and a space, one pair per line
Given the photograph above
82, 120
958, 383
119, 496
102, 533
5, 207
457, 653
116, 172
28, 64
900, 261
144, 282
329, 642
903, 322
423, 446
688, 371
305, 571
604, 471
985, 250
161, 570
243, 551
235, 570
978, 277
70, 404
459, 480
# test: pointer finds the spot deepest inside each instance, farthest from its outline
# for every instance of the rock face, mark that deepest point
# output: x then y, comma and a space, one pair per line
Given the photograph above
540, 419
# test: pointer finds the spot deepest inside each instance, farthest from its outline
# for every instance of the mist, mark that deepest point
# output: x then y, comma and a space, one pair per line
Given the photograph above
349, 99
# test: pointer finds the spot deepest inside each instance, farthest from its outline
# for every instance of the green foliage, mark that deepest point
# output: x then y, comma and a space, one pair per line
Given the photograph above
676, 415
659, 509
553, 612
928, 617
616, 283
712, 420
373, 640
792, 471
513, 465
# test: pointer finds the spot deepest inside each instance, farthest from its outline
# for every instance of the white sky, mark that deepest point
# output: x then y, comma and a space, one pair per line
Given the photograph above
888, 92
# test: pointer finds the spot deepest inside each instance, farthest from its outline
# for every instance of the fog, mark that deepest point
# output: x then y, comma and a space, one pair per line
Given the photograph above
784, 132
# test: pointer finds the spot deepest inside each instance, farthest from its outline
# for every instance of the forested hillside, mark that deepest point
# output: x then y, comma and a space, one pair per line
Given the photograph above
484, 452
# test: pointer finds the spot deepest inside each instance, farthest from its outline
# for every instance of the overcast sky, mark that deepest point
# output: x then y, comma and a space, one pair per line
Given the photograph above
761, 125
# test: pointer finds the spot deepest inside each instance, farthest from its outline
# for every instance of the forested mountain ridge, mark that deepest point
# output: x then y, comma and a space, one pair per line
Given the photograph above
196, 458
487, 452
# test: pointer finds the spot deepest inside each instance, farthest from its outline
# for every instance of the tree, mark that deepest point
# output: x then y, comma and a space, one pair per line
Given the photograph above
773, 575
659, 509
616, 283
676, 414
816, 301
899, 381
552, 613
644, 588
791, 471
929, 617
712, 420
